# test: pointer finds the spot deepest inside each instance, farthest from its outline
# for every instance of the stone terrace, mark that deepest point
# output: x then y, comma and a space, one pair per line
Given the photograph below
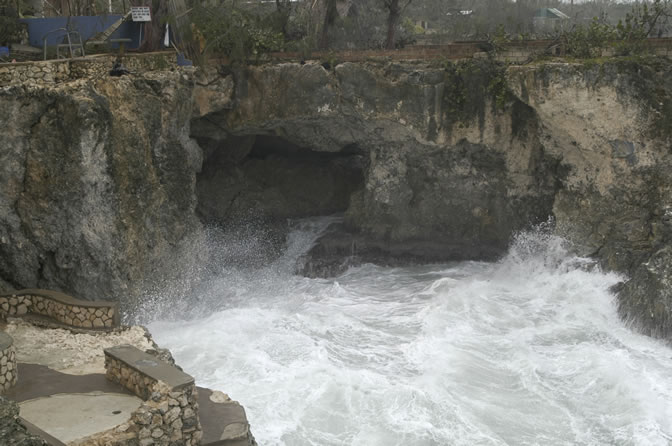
170, 409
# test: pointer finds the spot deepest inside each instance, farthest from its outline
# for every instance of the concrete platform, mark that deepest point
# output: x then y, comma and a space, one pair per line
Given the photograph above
73, 416
37, 381
223, 423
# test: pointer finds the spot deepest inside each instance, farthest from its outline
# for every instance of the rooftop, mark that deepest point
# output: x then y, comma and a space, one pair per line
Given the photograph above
550, 13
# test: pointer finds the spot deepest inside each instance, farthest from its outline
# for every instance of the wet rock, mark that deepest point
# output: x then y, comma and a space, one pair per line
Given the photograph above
5, 287
646, 299
11, 430
100, 188
419, 184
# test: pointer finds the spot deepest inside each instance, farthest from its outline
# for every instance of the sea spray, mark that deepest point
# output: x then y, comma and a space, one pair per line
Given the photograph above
525, 351
217, 267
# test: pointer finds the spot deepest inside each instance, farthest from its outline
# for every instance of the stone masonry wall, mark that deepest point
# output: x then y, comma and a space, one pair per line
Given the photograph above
37, 72
8, 369
51, 72
169, 416
62, 308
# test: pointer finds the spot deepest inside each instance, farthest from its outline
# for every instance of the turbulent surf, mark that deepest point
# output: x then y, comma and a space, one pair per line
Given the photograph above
528, 350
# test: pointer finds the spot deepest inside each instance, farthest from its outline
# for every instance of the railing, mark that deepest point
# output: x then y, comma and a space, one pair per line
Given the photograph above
68, 33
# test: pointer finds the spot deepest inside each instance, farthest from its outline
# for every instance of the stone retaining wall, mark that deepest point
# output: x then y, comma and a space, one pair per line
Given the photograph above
38, 72
52, 72
512, 52
56, 71
61, 308
8, 369
169, 414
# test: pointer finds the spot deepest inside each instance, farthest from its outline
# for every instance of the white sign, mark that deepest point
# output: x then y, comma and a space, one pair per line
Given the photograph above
141, 14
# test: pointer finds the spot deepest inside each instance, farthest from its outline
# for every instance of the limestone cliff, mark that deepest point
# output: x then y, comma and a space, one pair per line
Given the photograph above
427, 161
430, 167
611, 125
96, 182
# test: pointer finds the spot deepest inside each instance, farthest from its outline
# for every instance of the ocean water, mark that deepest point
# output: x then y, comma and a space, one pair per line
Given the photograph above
528, 350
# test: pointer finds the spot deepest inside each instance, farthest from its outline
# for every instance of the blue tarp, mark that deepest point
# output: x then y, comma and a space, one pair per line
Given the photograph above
182, 61
87, 26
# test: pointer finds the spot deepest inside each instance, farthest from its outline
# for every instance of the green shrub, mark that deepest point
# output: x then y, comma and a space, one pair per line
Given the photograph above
628, 37
586, 42
233, 32
10, 30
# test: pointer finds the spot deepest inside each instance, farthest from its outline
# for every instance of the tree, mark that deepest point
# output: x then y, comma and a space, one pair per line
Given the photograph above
283, 10
628, 37
329, 18
394, 8
76, 7
645, 21
152, 32
229, 30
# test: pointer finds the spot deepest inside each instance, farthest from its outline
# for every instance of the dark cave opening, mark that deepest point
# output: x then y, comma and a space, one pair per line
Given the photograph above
270, 179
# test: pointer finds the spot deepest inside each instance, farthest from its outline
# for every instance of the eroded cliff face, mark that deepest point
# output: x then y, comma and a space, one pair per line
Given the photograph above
101, 179
435, 170
96, 182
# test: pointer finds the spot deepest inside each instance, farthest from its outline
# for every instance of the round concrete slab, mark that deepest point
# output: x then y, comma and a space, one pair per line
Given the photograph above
71, 416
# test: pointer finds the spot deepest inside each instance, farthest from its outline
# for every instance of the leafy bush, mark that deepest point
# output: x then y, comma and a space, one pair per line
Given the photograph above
10, 30
588, 41
627, 37
233, 32
639, 24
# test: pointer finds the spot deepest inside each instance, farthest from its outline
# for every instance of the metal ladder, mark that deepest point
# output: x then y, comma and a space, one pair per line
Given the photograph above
72, 47
103, 36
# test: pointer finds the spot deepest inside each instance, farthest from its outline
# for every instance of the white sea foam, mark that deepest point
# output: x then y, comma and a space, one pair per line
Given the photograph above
525, 351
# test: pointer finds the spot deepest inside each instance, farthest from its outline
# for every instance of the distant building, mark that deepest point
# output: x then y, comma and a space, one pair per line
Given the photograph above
549, 19
424, 24
454, 12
